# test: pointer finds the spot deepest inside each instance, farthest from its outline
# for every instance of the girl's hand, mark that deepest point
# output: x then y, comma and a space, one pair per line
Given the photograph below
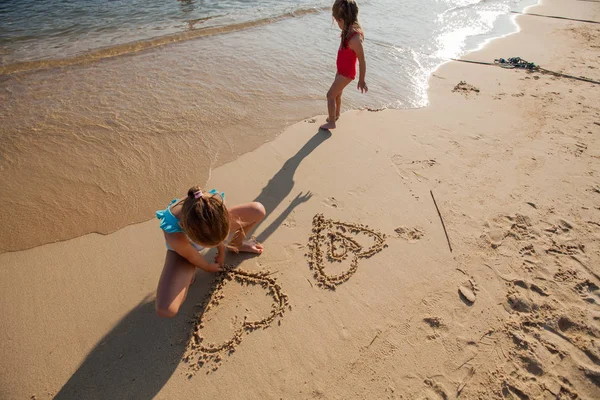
213, 268
362, 86
220, 258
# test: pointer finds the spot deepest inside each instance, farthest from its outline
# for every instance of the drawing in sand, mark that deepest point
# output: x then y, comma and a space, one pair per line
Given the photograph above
340, 239
200, 351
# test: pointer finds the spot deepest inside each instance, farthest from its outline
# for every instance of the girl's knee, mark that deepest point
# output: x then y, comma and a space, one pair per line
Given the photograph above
259, 209
332, 95
245, 214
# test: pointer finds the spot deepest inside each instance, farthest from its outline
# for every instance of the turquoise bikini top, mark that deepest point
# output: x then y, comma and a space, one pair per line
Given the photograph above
168, 222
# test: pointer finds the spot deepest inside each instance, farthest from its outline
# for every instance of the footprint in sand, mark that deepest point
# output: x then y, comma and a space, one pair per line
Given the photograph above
525, 296
495, 237
202, 353
412, 235
332, 202
357, 191
579, 149
594, 224
550, 310
465, 88
588, 290
438, 327
413, 194
584, 286
517, 227
433, 322
437, 388
542, 318
414, 169
527, 251
468, 292
339, 242
539, 336
564, 243
298, 245
290, 222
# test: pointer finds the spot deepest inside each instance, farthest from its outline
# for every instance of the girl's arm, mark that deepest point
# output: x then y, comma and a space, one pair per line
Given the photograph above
180, 244
356, 45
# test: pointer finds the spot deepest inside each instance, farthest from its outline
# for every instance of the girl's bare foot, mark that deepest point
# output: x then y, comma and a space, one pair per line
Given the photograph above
328, 126
248, 246
336, 118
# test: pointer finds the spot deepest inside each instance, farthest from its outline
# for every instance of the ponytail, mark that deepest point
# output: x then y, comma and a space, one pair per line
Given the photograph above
205, 218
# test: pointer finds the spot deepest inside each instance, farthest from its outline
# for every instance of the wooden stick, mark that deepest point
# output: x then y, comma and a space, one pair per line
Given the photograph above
557, 17
441, 219
374, 339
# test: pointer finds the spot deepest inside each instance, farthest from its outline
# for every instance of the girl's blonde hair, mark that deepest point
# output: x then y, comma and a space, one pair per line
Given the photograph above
204, 217
347, 11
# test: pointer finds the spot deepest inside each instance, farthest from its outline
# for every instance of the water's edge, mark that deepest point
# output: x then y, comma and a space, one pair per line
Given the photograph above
219, 161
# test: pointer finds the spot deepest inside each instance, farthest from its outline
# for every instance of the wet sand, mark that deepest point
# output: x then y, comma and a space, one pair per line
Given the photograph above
93, 142
511, 312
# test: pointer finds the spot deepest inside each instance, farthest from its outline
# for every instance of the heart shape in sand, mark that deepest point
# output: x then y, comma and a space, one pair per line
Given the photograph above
340, 241
199, 352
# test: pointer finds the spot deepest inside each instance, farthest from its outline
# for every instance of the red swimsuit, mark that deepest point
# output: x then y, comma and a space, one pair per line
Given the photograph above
346, 60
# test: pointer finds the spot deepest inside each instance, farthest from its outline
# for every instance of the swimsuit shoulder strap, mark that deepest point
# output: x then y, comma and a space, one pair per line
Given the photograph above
349, 38
168, 222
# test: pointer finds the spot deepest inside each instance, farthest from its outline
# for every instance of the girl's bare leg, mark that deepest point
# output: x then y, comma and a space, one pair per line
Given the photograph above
176, 277
337, 87
243, 219
338, 107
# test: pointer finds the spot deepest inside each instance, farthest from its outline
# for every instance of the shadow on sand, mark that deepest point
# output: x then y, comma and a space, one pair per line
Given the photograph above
140, 354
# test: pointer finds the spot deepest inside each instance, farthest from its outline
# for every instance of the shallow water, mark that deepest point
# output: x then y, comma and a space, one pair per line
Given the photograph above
109, 109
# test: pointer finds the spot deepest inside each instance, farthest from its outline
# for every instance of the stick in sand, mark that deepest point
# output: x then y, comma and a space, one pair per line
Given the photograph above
441, 219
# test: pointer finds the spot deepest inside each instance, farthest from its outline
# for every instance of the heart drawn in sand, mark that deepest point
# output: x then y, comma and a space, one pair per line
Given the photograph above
340, 241
199, 351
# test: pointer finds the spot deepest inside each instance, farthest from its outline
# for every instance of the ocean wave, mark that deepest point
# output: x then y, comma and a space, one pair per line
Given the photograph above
134, 47
470, 5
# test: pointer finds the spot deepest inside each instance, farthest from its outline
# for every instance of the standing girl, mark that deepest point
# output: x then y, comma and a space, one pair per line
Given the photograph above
345, 13
200, 220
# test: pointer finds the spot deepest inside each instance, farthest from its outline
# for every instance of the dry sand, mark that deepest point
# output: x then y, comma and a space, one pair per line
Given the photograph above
512, 312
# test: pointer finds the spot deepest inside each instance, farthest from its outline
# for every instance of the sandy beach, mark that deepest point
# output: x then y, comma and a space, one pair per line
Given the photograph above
357, 295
